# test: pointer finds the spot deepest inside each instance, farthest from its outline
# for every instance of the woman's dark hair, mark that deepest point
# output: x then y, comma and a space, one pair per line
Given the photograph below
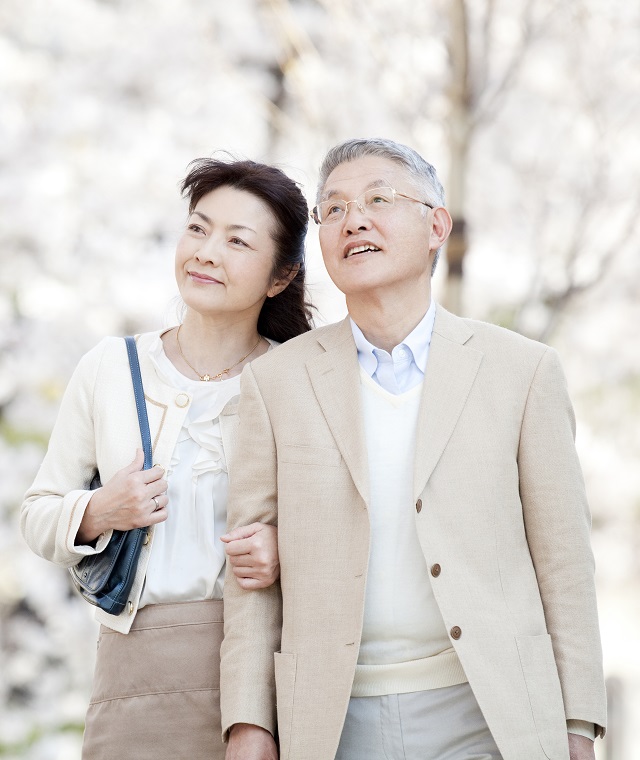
287, 314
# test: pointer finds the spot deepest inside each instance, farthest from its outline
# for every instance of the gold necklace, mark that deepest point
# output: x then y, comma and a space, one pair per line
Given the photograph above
207, 377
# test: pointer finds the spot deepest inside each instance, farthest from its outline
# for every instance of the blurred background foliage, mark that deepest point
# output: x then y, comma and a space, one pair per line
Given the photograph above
528, 109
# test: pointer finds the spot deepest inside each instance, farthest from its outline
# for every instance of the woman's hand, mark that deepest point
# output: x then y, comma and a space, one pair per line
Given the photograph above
252, 553
133, 498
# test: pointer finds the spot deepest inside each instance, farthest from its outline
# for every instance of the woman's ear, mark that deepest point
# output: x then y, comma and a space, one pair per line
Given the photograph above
277, 286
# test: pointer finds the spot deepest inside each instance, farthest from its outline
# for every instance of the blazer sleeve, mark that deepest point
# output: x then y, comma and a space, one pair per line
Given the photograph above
54, 506
558, 522
252, 619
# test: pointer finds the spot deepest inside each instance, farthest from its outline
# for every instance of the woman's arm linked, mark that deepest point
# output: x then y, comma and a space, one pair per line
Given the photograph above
62, 519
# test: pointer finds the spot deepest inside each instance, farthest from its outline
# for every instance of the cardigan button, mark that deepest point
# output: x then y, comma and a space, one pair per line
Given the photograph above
455, 632
419, 506
182, 400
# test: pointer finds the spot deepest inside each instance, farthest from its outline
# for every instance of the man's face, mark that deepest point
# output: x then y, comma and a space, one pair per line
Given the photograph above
398, 241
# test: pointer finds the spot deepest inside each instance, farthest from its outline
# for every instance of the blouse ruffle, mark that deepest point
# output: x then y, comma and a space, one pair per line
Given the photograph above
204, 429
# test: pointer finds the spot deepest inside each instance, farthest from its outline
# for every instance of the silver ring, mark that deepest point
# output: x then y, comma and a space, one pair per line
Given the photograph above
154, 499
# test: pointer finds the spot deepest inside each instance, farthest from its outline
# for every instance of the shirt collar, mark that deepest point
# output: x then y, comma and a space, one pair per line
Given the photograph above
417, 342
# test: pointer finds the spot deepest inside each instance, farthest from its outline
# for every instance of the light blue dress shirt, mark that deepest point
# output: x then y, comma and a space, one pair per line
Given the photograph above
403, 368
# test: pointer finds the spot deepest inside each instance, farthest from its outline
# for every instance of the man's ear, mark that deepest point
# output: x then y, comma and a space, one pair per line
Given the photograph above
277, 286
440, 227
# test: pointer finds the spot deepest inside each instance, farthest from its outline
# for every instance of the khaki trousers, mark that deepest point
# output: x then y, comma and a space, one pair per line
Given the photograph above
439, 724
156, 690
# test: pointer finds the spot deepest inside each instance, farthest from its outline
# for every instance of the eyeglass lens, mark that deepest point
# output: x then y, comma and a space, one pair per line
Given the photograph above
376, 199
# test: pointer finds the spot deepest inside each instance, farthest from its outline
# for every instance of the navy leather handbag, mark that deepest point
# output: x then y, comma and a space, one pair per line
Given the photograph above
105, 579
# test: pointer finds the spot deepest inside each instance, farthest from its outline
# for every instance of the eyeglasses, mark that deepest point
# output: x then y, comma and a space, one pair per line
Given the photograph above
372, 201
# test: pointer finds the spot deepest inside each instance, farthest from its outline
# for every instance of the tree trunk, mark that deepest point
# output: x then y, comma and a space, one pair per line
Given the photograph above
459, 134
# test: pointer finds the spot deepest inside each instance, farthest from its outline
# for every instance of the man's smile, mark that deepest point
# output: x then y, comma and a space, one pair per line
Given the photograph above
354, 249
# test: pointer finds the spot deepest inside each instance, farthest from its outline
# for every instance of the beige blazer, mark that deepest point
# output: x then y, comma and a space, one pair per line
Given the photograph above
97, 429
500, 508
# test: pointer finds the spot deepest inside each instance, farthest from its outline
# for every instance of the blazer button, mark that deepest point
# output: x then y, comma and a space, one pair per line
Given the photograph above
436, 570
182, 400
419, 506
455, 633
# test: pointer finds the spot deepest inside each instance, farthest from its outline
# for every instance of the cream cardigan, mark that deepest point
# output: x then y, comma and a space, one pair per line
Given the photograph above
97, 429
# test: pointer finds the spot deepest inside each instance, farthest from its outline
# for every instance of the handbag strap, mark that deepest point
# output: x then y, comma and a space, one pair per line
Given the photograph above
141, 406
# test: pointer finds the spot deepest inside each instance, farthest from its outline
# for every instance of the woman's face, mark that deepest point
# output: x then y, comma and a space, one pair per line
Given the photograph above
225, 256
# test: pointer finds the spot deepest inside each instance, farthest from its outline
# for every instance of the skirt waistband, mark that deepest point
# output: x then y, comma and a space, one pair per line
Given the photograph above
177, 613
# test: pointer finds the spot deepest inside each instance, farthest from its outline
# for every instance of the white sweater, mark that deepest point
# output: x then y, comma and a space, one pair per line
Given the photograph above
405, 646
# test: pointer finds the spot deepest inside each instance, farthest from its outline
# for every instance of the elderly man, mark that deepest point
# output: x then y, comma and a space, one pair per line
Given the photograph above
437, 598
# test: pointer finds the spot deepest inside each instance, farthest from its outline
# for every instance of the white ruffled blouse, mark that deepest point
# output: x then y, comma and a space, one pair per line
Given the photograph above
187, 559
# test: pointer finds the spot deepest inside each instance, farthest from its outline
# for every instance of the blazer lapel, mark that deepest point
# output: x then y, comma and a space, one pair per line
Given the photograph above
451, 370
335, 376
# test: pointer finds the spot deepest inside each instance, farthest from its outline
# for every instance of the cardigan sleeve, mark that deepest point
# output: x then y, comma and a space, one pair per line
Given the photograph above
54, 506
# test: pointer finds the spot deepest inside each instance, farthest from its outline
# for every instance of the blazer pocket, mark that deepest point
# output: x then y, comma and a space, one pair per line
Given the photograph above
545, 695
309, 455
285, 673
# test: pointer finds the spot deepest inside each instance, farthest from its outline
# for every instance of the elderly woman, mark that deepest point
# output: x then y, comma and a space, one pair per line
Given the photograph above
240, 272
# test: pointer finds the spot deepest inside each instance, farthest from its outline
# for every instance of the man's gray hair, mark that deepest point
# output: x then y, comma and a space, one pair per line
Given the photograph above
350, 150
423, 173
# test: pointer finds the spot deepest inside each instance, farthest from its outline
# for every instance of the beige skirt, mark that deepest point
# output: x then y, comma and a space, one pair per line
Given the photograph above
156, 690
